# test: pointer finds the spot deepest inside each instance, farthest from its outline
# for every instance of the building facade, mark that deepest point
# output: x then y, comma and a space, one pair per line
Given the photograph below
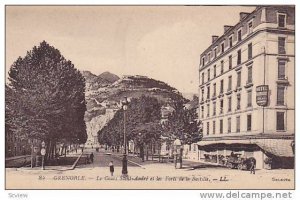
258, 50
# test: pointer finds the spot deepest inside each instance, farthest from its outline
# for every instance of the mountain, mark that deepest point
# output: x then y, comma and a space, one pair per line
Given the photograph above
94, 82
104, 93
109, 77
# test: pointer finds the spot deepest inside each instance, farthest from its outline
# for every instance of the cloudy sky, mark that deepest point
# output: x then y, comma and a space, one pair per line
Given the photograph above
161, 42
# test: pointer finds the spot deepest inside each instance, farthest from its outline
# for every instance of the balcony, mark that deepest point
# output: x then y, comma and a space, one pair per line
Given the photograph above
229, 91
214, 96
238, 88
249, 84
282, 80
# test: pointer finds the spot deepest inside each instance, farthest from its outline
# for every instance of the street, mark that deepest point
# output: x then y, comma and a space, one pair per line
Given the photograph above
102, 159
146, 175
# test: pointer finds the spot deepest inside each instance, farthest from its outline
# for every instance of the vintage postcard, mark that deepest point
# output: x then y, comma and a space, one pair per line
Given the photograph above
150, 97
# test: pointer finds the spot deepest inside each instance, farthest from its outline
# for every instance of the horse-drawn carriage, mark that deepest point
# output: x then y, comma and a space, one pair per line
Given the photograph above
237, 161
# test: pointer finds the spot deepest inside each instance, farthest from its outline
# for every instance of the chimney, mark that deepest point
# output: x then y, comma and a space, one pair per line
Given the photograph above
226, 28
243, 15
214, 38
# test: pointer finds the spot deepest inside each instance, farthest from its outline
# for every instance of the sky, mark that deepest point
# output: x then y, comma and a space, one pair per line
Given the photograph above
161, 42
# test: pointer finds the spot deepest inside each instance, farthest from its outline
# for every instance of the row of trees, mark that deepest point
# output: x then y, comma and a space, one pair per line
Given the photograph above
45, 99
144, 127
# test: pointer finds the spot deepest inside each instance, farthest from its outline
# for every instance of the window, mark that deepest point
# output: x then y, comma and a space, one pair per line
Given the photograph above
214, 92
203, 61
202, 78
222, 87
239, 35
215, 71
249, 122
221, 126
249, 51
207, 110
222, 47
230, 62
239, 57
280, 95
229, 104
238, 102
214, 108
229, 125
221, 106
207, 128
208, 92
209, 57
230, 41
281, 69
249, 98
215, 52
202, 96
250, 27
249, 75
281, 20
281, 45
208, 74
238, 124
229, 83
202, 111
239, 74
280, 121
214, 127
222, 66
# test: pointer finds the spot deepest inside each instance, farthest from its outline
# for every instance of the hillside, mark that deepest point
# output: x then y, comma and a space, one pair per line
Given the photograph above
94, 82
104, 93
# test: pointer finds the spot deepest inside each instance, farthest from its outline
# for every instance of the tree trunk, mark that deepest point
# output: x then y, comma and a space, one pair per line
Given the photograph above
147, 153
152, 149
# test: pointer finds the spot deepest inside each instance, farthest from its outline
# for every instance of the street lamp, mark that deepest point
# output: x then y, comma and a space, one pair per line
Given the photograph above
125, 103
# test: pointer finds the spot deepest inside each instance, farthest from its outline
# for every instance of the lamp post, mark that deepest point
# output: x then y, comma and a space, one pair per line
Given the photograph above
125, 103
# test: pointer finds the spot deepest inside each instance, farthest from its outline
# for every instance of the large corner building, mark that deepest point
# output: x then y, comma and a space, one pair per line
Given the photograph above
246, 89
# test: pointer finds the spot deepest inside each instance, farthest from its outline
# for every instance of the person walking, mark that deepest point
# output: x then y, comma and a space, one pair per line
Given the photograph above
252, 166
92, 157
111, 168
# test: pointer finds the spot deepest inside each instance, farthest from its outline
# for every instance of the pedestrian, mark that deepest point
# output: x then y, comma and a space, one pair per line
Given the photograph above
92, 157
252, 166
111, 168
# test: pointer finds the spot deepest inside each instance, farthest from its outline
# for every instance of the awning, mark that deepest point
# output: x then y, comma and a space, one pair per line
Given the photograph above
277, 147
205, 143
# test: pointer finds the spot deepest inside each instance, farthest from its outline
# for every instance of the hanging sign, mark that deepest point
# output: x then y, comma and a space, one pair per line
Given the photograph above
262, 95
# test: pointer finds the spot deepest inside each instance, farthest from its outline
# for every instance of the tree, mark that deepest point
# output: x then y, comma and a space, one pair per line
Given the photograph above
183, 124
49, 100
142, 116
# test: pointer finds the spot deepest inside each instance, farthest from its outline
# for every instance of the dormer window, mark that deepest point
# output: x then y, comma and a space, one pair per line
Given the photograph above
239, 35
215, 52
222, 47
281, 20
230, 41
250, 27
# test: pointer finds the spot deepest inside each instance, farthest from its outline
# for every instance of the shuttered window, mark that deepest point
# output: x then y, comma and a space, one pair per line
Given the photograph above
281, 45
238, 124
280, 121
281, 69
280, 95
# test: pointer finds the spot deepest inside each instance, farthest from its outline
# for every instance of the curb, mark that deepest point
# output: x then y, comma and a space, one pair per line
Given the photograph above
141, 166
64, 169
